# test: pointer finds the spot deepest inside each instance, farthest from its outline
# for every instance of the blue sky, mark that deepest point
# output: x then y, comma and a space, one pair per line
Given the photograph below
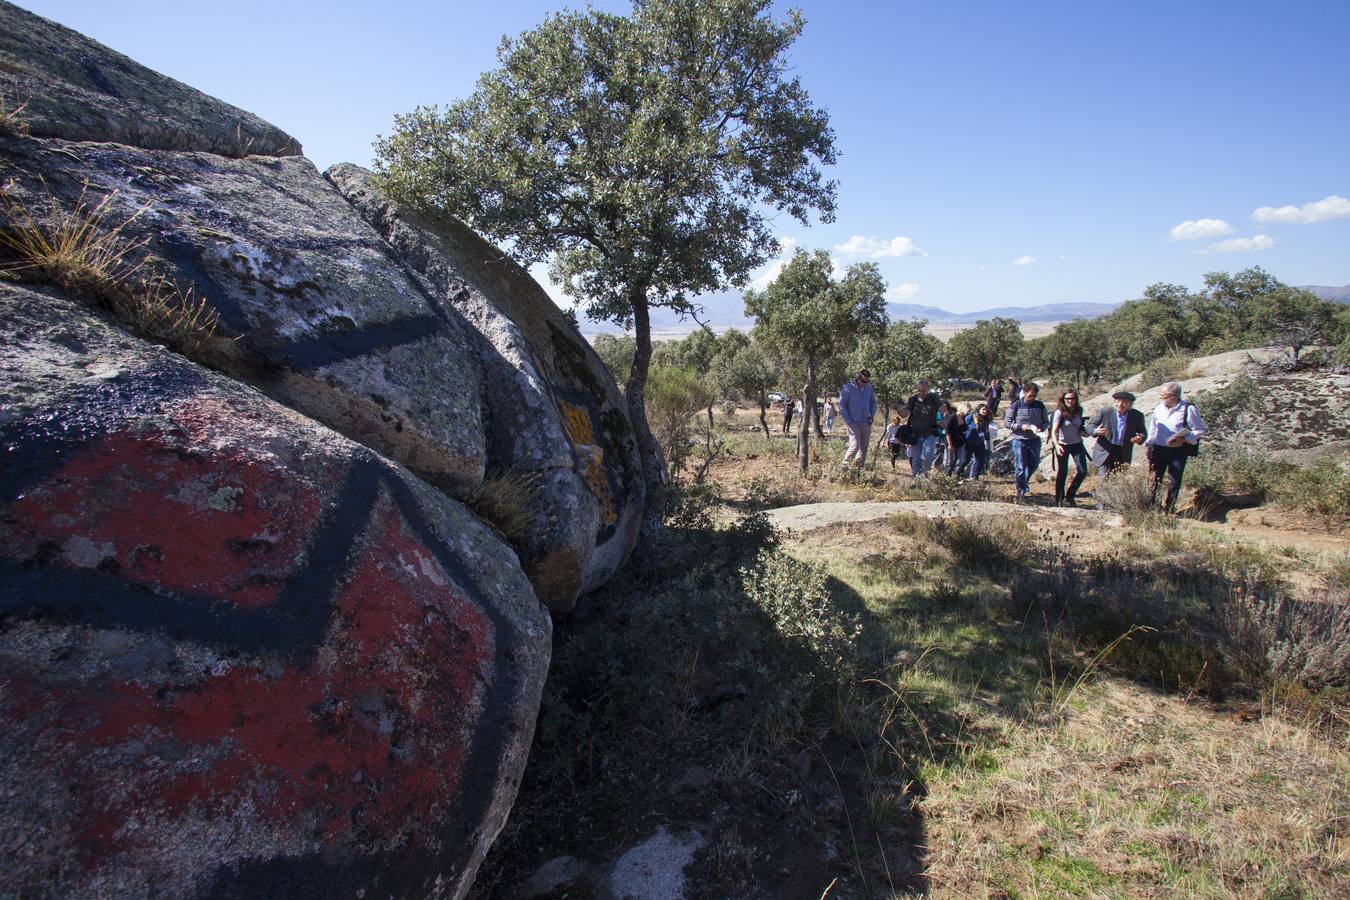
1070, 137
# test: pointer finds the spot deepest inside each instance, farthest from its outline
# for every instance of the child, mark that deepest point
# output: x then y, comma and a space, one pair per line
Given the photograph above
893, 439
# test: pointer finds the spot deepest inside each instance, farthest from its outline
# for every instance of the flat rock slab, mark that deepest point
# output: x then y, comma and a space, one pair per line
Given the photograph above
819, 515
75, 88
240, 654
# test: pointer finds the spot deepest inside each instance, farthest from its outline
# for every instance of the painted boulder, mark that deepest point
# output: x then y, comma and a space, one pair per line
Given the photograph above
555, 409
240, 654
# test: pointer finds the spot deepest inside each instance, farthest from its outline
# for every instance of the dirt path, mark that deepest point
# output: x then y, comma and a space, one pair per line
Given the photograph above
819, 515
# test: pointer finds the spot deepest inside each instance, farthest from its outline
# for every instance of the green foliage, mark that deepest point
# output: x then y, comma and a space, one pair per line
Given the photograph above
805, 312
1322, 488
642, 154
1245, 309
795, 598
898, 358
616, 352
674, 396
1237, 471
1079, 348
1171, 367
981, 350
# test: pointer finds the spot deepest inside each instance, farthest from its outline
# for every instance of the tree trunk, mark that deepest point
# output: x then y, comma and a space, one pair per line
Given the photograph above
808, 406
710, 417
654, 474
763, 422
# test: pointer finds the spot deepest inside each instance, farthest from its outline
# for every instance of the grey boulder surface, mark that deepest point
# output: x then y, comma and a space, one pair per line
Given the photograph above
242, 655
555, 410
75, 88
314, 312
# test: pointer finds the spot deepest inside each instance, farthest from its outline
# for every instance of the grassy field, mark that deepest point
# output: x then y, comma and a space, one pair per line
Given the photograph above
959, 707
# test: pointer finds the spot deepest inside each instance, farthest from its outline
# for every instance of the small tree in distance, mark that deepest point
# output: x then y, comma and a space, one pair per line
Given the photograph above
642, 154
978, 351
805, 312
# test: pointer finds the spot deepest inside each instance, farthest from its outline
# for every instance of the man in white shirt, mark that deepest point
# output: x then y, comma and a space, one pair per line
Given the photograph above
1174, 431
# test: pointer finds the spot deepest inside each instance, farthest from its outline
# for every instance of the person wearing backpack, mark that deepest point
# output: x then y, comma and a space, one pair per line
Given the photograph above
1174, 432
923, 421
979, 439
954, 426
1027, 420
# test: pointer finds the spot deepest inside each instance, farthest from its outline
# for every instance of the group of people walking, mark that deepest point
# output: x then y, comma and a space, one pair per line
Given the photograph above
933, 432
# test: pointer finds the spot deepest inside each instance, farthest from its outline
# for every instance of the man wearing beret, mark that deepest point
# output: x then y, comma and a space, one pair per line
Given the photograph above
1118, 428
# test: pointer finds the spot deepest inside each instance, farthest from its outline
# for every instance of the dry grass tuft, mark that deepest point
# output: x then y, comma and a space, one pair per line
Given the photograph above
505, 500
1128, 491
89, 257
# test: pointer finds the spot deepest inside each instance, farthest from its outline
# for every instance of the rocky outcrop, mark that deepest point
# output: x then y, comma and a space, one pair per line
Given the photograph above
241, 654
251, 641
555, 411
74, 88
314, 311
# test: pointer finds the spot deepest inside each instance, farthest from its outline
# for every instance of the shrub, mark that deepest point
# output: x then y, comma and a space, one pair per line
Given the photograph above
1225, 407
1322, 488
1172, 367
1237, 471
1128, 492
674, 396
992, 546
794, 596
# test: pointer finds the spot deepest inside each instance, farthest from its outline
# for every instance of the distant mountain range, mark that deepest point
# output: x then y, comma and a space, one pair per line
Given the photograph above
1048, 312
725, 310
1335, 294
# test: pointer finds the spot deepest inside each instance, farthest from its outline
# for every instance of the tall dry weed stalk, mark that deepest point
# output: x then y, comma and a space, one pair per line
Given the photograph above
86, 254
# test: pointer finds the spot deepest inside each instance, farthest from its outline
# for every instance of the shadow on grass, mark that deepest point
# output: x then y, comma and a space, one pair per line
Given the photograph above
714, 693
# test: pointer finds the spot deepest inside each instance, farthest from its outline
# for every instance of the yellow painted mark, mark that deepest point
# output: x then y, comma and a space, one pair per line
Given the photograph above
577, 421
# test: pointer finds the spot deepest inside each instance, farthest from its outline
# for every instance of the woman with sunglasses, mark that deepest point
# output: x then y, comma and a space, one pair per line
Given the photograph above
1066, 442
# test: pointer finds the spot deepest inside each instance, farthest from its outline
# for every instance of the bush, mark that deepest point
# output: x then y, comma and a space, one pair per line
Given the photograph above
1238, 471
1225, 407
1172, 367
993, 546
1128, 492
794, 596
1322, 488
674, 397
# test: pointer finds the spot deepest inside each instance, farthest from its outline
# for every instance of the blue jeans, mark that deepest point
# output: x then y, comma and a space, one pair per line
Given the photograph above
924, 451
977, 456
1026, 460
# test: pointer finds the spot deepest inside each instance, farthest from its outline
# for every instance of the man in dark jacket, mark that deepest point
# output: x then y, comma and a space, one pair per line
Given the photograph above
923, 418
994, 396
1118, 428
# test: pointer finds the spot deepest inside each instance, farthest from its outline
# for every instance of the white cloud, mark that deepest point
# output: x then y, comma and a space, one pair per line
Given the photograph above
1330, 207
902, 292
787, 247
877, 248
1192, 229
1242, 245
1062, 258
837, 269
1024, 260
